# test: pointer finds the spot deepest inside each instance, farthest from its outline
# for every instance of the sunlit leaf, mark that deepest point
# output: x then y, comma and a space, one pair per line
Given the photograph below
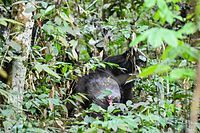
154, 37
97, 108
110, 109
49, 9
181, 73
158, 68
11, 21
29, 8
2, 22
170, 37
150, 3
188, 28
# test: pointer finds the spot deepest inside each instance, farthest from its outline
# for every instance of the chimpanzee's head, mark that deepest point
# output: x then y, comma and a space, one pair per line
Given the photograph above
131, 60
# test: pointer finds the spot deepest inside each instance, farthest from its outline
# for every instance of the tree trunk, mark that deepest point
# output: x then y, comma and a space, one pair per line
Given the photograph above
195, 111
195, 104
24, 39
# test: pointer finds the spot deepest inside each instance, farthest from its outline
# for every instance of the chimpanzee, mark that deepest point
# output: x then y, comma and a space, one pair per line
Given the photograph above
95, 85
130, 61
112, 79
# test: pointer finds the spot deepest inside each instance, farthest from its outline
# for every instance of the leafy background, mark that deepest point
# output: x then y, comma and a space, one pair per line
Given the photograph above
72, 37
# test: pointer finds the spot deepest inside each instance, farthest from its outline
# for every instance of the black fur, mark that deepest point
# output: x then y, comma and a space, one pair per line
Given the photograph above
130, 61
95, 83
112, 79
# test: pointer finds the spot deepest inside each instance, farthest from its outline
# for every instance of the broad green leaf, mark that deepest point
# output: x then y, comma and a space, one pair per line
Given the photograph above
7, 124
49, 9
58, 20
28, 104
48, 57
189, 53
110, 109
158, 68
96, 108
29, 8
155, 37
88, 119
165, 13
181, 73
133, 123
161, 4
54, 101
113, 125
122, 107
150, 3
188, 28
2, 22
170, 53
170, 37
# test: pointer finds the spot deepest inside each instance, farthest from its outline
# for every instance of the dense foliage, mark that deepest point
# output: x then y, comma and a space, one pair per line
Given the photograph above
70, 38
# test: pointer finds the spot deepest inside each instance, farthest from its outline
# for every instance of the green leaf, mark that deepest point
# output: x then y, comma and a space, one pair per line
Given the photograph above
165, 13
74, 43
170, 53
2, 22
83, 96
29, 8
78, 98
4, 93
10, 21
150, 3
181, 73
110, 109
96, 108
169, 36
138, 39
28, 104
188, 28
51, 72
14, 45
66, 18
38, 67
154, 37
49, 9
124, 127
44, 4
158, 68
72, 102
